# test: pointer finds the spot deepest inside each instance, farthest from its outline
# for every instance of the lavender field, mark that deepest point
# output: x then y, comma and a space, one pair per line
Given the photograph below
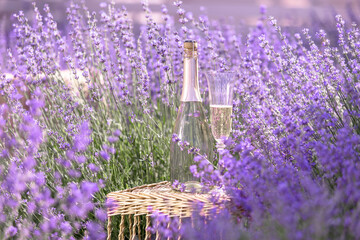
89, 109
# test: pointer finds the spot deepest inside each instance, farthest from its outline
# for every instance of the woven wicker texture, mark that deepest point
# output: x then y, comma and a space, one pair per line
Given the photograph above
160, 196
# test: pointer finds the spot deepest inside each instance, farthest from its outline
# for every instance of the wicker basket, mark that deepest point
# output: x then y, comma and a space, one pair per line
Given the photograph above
135, 202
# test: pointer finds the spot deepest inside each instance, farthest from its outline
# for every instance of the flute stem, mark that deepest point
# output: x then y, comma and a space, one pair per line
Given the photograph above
220, 147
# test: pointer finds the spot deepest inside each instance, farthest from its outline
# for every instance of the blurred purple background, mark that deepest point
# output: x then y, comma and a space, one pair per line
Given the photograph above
287, 12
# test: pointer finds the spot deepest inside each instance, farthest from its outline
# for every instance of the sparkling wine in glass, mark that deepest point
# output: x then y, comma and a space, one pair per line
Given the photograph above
220, 118
221, 85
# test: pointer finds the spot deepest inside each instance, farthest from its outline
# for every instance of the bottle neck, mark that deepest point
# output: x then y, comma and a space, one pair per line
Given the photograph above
190, 90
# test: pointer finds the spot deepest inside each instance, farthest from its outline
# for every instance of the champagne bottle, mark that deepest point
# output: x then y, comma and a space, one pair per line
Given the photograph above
190, 125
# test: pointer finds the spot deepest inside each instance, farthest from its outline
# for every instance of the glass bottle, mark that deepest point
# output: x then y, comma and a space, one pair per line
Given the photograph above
190, 125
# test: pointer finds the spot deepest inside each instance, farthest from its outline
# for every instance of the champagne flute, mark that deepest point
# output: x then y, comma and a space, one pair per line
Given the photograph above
221, 88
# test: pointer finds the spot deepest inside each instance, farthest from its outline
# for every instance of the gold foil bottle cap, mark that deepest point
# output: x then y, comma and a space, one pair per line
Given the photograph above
190, 45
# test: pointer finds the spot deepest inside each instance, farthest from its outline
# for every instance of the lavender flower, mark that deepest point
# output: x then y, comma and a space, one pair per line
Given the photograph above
82, 139
87, 109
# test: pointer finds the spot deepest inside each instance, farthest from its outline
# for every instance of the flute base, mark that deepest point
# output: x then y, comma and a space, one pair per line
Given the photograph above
190, 187
193, 187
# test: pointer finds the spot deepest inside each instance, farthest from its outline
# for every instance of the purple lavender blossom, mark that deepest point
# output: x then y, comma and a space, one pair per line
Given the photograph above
289, 170
82, 139
11, 231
